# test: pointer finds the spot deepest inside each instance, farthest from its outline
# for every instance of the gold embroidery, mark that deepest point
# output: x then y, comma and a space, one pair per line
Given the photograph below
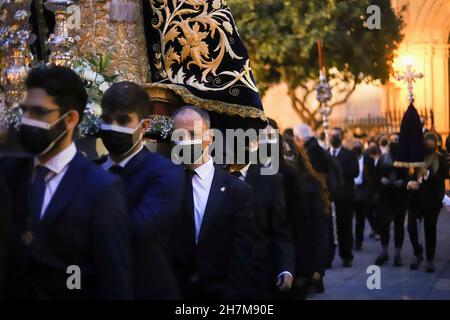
190, 24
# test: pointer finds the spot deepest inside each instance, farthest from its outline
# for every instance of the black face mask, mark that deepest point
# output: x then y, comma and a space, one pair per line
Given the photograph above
266, 151
384, 143
373, 151
38, 137
429, 150
393, 147
335, 141
358, 151
243, 155
119, 140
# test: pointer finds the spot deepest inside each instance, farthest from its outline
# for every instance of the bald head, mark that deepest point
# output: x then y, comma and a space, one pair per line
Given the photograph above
303, 132
190, 114
194, 122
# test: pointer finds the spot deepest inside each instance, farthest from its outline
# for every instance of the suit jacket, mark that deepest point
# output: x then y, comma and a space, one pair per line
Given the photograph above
350, 170
307, 220
5, 231
394, 191
365, 191
217, 267
431, 191
86, 224
317, 155
273, 250
154, 187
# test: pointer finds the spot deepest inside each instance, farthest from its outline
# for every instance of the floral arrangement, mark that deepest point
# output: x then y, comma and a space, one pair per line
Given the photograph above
97, 81
161, 128
93, 72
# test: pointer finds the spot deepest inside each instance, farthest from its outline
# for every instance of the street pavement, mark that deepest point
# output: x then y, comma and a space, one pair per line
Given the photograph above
397, 283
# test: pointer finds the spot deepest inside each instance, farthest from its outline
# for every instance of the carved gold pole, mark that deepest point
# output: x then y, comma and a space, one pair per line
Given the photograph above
123, 39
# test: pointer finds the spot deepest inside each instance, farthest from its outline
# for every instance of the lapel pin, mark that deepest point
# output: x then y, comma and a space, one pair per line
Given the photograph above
222, 189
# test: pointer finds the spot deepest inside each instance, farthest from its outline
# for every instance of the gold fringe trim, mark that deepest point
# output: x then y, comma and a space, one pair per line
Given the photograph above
401, 164
211, 105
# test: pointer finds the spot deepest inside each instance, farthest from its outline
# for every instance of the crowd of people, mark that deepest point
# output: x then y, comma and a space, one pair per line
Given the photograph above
137, 226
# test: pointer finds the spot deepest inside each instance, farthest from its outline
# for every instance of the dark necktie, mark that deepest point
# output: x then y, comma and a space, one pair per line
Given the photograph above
115, 169
38, 190
189, 190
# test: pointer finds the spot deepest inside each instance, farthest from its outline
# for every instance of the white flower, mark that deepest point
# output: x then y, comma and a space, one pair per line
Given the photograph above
97, 110
99, 79
89, 75
94, 109
104, 86
216, 4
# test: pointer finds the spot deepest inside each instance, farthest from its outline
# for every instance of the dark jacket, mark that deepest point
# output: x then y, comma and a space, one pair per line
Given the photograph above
307, 221
273, 250
317, 155
365, 191
393, 186
432, 190
86, 224
349, 167
154, 187
5, 231
218, 266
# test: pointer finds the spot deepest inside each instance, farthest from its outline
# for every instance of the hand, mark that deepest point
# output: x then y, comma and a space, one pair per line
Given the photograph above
384, 181
412, 185
446, 203
284, 281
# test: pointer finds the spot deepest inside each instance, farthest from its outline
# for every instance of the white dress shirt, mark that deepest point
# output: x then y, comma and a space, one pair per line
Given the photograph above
359, 178
58, 166
244, 172
110, 162
333, 151
201, 185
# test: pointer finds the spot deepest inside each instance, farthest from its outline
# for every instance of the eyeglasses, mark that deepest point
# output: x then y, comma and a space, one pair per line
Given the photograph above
36, 111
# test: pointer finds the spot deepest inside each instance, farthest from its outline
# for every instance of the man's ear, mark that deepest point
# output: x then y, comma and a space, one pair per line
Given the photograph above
208, 136
72, 119
146, 124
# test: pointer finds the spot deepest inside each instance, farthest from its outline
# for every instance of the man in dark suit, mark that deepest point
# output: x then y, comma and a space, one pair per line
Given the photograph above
71, 227
153, 183
274, 249
344, 204
364, 191
210, 246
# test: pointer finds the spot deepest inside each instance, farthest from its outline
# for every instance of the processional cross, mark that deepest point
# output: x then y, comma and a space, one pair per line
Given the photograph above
409, 76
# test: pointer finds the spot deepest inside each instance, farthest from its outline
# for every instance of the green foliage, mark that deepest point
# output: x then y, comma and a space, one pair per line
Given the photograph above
281, 37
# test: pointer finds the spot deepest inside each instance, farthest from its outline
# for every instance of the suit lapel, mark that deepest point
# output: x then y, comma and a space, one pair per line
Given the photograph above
252, 175
215, 199
66, 190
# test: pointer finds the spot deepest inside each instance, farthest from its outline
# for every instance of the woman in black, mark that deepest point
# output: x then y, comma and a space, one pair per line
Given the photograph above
429, 202
307, 209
